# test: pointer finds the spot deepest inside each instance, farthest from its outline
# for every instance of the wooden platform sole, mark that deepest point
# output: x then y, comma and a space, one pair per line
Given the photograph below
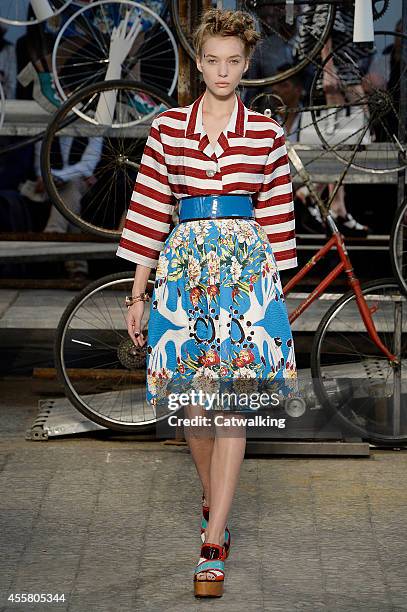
208, 588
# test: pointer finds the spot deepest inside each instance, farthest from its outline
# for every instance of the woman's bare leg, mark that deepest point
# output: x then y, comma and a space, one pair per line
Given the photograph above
227, 456
200, 441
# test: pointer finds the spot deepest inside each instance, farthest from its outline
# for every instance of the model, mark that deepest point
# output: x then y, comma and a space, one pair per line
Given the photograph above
218, 309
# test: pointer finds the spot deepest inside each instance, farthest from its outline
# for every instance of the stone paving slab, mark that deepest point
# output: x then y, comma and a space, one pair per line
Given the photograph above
114, 524
101, 521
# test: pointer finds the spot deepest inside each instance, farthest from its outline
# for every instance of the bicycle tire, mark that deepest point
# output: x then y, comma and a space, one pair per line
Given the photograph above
25, 22
2, 105
281, 76
60, 119
61, 359
397, 265
317, 378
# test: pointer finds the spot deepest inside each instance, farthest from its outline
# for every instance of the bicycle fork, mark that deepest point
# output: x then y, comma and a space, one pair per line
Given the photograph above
365, 311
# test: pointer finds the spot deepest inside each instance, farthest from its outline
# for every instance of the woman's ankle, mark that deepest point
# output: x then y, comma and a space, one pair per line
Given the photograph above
215, 537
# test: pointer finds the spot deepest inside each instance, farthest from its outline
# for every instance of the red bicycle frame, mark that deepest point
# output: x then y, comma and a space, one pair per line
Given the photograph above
345, 265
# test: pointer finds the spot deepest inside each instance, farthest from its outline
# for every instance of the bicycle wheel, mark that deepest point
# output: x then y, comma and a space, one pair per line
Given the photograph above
351, 376
102, 372
398, 247
89, 170
304, 39
14, 12
112, 39
370, 104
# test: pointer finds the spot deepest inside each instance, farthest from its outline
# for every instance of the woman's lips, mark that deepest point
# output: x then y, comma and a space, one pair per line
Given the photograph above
222, 84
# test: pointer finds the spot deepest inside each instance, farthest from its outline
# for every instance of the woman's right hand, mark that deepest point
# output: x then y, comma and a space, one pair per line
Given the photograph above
134, 316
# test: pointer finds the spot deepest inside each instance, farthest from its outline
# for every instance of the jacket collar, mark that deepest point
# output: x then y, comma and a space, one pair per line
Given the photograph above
236, 126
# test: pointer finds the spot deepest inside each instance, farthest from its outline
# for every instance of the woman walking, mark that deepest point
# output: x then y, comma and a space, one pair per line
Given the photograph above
218, 309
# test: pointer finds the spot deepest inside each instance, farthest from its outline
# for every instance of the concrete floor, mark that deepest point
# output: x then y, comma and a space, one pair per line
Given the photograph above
113, 524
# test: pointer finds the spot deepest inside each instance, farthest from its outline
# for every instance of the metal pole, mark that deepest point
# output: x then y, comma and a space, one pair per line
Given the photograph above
401, 192
184, 62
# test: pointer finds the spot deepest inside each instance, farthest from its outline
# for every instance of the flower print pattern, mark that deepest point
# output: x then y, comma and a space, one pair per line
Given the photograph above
218, 312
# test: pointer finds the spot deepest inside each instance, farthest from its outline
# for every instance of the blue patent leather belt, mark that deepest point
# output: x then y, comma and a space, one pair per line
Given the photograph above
215, 207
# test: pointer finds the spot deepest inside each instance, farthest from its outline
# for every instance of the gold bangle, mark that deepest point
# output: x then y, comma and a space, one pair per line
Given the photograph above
132, 299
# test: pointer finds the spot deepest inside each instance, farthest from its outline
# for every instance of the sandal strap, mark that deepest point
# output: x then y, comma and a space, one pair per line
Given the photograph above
212, 551
212, 565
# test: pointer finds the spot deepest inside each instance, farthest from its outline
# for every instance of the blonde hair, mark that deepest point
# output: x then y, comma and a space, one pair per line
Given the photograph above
218, 22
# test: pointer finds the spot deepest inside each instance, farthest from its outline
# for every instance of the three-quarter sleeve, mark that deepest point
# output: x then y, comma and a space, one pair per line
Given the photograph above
274, 204
148, 219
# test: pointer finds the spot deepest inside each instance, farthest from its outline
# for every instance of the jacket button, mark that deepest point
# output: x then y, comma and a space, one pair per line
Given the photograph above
210, 173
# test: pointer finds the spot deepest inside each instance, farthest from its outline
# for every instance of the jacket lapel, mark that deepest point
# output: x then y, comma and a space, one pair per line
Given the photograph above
196, 130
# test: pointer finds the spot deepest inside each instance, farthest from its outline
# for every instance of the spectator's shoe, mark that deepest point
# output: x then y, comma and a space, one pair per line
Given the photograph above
77, 270
204, 525
348, 226
312, 221
44, 90
209, 575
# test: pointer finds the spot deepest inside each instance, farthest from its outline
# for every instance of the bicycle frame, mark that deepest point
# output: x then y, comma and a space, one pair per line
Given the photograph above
345, 265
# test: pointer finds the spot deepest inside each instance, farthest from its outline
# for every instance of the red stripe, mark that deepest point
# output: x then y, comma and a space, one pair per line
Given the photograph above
148, 212
151, 193
281, 161
281, 218
152, 173
140, 249
145, 231
287, 254
150, 152
281, 236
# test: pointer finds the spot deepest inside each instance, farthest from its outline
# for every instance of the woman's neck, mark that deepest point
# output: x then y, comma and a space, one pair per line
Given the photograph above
218, 107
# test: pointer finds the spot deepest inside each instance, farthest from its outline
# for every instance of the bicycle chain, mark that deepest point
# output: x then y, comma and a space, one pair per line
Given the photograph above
379, 12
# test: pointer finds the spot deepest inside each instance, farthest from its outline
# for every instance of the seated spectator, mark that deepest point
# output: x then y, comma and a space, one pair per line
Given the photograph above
73, 175
8, 67
290, 91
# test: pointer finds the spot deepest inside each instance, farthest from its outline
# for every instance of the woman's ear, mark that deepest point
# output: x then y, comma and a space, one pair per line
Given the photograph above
246, 64
198, 63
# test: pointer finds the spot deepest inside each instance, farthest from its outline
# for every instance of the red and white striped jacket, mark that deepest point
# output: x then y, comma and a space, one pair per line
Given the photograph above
250, 157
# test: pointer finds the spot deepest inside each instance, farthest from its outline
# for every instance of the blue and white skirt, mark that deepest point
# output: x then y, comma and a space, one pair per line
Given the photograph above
218, 312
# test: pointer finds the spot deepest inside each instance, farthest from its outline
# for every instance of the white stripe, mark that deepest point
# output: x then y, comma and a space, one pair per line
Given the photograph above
275, 228
153, 184
136, 257
275, 191
148, 202
154, 224
137, 238
279, 247
274, 209
287, 264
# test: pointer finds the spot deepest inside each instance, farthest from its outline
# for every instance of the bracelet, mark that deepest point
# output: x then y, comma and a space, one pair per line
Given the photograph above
132, 299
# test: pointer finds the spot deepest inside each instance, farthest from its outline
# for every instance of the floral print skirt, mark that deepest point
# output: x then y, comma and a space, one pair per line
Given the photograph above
218, 312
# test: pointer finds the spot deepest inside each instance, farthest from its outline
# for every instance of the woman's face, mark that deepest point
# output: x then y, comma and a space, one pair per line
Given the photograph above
222, 63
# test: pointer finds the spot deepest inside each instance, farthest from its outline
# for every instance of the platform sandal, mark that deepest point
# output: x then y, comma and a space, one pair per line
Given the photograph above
212, 565
204, 525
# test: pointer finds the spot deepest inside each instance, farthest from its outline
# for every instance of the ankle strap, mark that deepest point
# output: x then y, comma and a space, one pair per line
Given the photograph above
212, 551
